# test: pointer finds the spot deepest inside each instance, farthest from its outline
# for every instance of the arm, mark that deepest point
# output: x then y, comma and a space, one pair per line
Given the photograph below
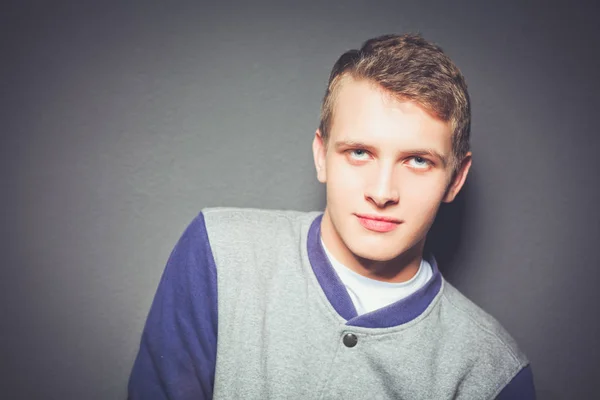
177, 354
520, 387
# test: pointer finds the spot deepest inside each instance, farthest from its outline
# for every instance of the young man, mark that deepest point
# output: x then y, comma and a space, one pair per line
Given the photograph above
341, 305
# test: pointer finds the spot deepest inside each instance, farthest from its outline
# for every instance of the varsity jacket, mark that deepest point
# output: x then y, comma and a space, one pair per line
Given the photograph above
249, 307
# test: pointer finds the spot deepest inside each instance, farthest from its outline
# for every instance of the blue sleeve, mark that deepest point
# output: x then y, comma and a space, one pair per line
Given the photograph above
520, 387
177, 354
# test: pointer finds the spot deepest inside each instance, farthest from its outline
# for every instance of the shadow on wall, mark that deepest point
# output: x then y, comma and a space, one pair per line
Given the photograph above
447, 233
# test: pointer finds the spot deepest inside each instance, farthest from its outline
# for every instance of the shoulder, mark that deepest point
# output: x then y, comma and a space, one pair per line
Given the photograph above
476, 324
488, 350
238, 223
254, 249
234, 214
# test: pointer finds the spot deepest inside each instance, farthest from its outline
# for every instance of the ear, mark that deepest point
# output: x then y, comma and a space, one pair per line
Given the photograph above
319, 152
459, 179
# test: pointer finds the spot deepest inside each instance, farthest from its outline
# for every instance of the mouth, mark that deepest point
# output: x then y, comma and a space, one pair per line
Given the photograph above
378, 223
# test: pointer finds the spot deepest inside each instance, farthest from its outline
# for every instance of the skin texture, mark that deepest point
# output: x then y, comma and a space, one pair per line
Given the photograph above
384, 158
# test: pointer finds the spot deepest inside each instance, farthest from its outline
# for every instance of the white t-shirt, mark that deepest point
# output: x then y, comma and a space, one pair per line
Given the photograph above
370, 294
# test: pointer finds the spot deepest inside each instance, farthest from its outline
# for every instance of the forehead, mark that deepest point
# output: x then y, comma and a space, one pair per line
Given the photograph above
363, 111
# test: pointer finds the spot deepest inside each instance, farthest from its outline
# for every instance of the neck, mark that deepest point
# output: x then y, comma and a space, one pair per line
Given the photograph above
402, 268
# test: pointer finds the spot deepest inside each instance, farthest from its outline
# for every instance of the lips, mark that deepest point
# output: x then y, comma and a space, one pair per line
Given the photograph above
377, 223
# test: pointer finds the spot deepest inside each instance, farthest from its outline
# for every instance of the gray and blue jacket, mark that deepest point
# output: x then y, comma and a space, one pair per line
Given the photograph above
249, 307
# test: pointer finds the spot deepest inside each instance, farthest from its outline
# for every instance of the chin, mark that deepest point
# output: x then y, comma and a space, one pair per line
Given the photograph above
382, 248
377, 252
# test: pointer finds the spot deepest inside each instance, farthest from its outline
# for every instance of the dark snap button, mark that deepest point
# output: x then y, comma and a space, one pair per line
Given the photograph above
350, 340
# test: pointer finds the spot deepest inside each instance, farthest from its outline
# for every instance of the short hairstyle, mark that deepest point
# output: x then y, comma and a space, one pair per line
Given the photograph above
409, 68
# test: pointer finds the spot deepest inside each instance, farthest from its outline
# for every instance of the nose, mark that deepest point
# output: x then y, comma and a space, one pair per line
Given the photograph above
382, 191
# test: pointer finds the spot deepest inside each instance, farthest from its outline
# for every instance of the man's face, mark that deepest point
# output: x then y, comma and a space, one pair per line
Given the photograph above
387, 166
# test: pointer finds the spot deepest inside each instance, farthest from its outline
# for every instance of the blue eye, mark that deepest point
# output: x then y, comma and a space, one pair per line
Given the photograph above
419, 162
359, 154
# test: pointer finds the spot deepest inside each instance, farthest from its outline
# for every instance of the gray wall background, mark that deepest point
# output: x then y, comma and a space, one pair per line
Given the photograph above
120, 122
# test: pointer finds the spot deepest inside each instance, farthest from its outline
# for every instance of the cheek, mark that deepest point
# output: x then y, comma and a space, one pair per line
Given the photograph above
422, 192
344, 180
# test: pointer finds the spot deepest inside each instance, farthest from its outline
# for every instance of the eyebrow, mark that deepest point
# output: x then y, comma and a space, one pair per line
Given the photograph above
418, 152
